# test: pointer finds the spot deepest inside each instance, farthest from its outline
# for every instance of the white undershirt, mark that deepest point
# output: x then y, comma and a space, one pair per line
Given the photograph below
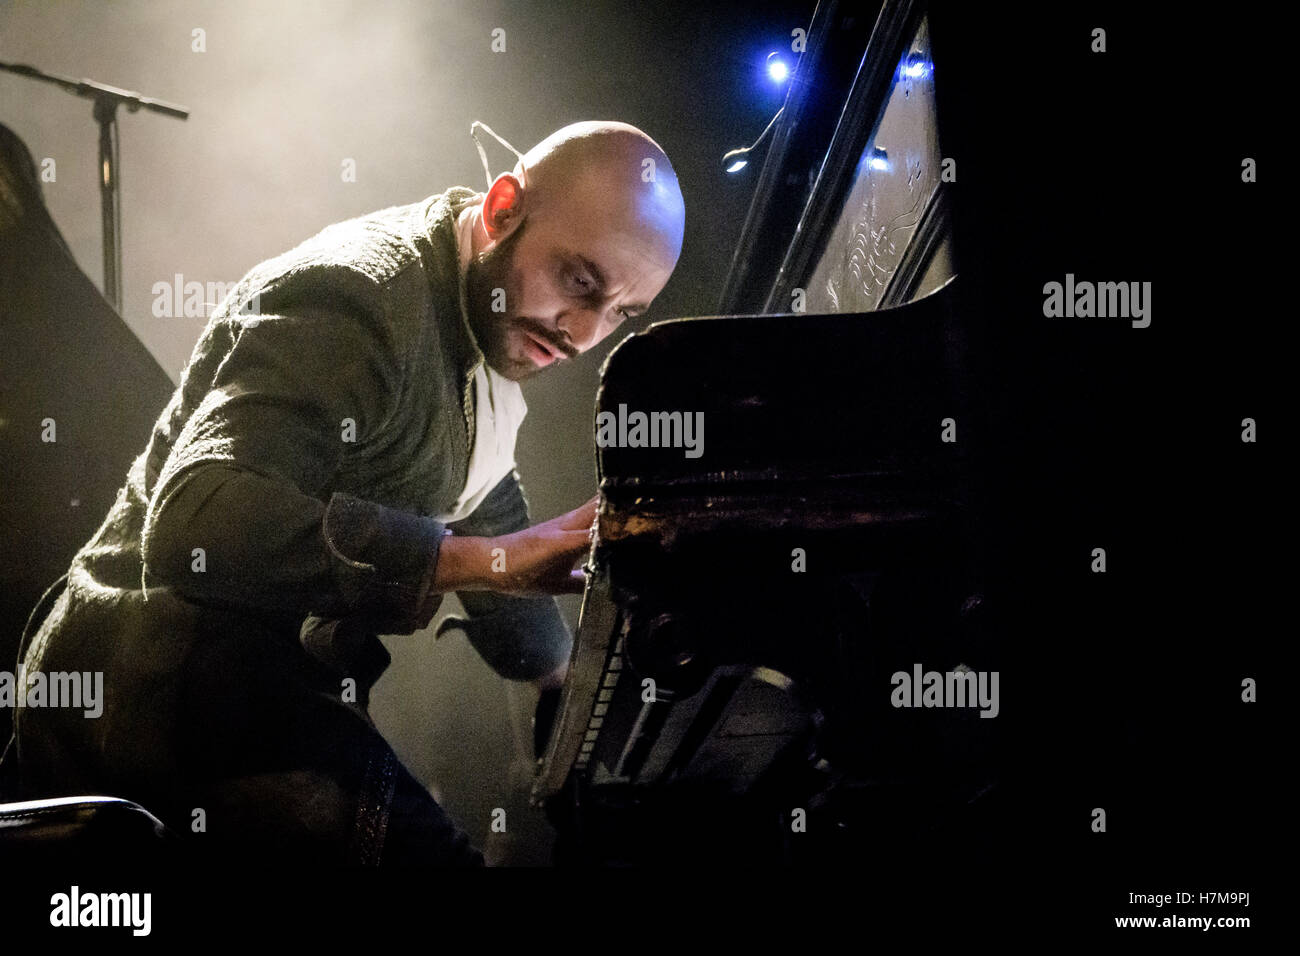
499, 410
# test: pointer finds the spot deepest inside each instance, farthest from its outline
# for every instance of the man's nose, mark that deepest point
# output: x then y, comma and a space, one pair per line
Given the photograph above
581, 327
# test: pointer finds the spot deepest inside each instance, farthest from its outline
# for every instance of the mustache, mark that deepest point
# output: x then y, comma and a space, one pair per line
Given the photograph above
533, 327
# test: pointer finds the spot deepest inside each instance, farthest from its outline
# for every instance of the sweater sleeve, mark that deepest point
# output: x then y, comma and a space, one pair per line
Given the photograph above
520, 638
241, 514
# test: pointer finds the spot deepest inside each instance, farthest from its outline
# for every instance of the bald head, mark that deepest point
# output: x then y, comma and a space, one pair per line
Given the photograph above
613, 170
584, 232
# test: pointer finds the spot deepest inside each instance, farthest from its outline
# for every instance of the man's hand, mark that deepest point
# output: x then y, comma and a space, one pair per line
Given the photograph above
539, 560
530, 563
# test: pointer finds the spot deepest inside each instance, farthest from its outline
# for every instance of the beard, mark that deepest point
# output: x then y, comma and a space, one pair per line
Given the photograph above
494, 331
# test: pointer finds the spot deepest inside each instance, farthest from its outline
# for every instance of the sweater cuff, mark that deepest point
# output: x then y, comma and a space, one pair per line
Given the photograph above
384, 559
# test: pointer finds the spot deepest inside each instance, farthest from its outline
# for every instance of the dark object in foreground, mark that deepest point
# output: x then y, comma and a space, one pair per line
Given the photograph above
731, 696
86, 830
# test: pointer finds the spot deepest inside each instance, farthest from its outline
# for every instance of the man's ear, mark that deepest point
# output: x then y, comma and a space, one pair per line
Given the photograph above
503, 206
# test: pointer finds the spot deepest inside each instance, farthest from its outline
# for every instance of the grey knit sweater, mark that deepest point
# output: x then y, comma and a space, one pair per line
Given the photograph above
288, 487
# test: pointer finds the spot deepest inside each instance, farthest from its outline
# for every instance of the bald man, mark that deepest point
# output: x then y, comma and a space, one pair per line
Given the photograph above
338, 456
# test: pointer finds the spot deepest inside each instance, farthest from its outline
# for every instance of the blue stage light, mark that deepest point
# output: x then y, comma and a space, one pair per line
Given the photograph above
777, 68
917, 66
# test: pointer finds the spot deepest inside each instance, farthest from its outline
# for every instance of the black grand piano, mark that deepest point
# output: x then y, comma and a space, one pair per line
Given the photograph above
732, 693
68, 430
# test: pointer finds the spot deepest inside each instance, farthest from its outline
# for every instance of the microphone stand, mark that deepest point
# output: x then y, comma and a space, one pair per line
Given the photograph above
106, 101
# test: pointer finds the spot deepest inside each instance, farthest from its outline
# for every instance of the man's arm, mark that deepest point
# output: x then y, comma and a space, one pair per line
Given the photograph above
248, 479
532, 562
503, 571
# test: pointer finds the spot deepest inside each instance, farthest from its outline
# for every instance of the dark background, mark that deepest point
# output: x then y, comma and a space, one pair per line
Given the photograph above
1125, 690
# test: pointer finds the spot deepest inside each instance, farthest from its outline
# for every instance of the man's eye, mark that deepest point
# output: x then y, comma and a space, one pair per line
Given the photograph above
581, 282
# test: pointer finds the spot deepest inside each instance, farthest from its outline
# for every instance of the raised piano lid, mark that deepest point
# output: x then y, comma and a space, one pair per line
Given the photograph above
65, 354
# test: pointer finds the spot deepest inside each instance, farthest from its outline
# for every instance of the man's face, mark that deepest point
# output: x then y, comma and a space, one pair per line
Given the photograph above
568, 281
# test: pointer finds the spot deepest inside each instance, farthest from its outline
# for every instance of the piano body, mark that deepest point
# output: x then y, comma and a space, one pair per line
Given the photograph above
731, 694
70, 363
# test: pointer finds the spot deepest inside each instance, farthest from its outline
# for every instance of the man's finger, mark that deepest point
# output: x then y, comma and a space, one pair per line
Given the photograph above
581, 517
577, 583
576, 542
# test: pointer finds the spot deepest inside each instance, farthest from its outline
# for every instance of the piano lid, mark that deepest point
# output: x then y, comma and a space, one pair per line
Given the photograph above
65, 355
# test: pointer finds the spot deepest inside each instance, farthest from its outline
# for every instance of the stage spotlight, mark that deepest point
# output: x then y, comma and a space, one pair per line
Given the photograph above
776, 68
917, 66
